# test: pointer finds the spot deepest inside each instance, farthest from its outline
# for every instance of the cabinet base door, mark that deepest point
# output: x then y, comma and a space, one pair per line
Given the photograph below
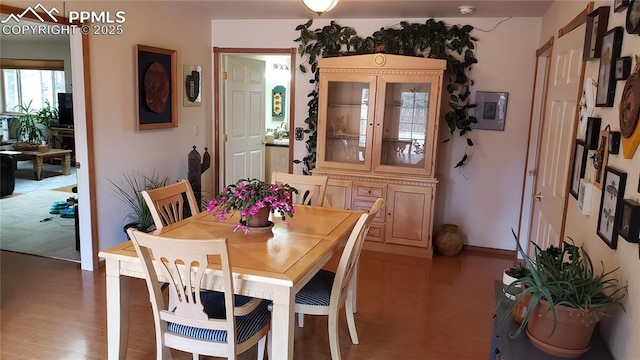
409, 220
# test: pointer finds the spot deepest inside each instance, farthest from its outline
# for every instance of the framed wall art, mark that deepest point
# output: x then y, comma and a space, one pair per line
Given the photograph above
597, 22
611, 206
156, 95
600, 158
491, 110
611, 43
629, 226
579, 166
278, 95
623, 67
191, 77
620, 5
584, 196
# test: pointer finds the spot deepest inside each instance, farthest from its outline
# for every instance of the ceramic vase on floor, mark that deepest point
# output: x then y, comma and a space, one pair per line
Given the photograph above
448, 242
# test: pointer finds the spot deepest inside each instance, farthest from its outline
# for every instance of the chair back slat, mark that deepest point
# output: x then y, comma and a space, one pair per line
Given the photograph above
166, 204
311, 189
351, 254
183, 264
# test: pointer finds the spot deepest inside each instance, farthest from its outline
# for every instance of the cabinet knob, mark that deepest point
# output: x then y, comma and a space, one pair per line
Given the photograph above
369, 191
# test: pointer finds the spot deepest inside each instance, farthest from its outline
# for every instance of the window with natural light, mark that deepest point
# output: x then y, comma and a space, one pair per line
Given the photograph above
30, 88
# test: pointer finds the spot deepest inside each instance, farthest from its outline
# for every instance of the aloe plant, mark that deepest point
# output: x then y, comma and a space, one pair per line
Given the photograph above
564, 277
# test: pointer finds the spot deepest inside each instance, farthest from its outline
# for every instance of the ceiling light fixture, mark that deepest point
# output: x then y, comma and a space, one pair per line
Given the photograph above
466, 10
320, 6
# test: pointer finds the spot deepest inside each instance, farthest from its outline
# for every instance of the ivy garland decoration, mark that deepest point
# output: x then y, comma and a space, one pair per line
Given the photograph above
433, 39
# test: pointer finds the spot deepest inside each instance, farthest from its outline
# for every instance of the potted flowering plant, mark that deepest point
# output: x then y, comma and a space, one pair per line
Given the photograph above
254, 199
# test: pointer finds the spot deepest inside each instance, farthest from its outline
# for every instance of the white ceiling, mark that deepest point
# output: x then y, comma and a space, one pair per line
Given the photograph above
360, 9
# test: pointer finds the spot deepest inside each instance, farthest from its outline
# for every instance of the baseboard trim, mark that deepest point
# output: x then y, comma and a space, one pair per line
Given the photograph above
487, 250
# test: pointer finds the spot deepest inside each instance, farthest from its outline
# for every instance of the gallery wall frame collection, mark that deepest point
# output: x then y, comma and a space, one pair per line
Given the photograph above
156, 91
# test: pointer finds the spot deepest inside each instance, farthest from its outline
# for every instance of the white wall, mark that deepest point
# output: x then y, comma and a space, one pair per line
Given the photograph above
120, 148
506, 57
622, 330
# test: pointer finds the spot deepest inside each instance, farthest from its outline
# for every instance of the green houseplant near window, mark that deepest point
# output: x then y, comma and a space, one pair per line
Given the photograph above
565, 298
30, 126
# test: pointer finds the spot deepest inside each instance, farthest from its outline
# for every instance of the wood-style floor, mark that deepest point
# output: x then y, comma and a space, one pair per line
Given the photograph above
408, 308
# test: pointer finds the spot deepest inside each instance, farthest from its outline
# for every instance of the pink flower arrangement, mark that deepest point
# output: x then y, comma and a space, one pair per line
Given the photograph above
249, 196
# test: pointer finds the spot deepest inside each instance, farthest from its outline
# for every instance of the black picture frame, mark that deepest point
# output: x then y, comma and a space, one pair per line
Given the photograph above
623, 67
597, 22
579, 167
611, 44
156, 91
611, 206
620, 5
629, 225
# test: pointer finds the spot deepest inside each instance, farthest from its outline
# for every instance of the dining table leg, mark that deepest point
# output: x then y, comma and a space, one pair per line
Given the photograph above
282, 323
117, 311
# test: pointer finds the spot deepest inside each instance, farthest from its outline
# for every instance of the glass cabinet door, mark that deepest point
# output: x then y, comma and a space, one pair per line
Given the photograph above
344, 140
405, 135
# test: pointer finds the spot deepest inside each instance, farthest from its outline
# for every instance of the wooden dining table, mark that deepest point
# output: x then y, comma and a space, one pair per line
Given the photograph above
273, 264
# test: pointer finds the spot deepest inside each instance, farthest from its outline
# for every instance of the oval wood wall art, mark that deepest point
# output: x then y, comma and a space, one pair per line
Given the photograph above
630, 113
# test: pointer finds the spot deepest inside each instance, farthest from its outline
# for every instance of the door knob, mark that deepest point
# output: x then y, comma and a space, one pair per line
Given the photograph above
538, 196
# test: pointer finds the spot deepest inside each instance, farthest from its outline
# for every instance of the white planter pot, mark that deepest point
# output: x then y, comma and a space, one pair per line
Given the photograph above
506, 281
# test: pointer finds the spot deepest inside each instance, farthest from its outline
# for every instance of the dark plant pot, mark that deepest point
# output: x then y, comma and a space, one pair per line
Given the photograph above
572, 336
132, 225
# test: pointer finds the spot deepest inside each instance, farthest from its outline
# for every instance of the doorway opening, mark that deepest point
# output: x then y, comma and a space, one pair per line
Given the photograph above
255, 94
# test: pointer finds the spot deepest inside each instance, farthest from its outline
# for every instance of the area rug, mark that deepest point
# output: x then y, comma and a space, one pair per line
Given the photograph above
28, 227
65, 188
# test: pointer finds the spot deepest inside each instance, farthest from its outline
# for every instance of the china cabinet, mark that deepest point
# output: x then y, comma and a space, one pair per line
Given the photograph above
377, 137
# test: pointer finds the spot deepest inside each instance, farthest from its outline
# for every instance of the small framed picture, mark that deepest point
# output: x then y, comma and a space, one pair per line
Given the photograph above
623, 67
491, 110
620, 5
611, 206
579, 166
597, 22
611, 44
192, 80
600, 158
584, 196
629, 226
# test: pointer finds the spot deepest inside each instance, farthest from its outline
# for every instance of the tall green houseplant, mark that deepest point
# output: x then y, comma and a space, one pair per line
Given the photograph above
130, 193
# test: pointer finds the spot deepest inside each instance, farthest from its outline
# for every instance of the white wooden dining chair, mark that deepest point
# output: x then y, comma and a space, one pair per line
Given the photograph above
311, 189
327, 292
203, 322
166, 204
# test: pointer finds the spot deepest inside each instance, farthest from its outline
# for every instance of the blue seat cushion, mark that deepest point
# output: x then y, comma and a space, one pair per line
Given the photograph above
213, 301
317, 291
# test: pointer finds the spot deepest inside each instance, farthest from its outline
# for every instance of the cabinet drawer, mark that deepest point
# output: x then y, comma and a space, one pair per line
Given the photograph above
365, 205
376, 232
369, 190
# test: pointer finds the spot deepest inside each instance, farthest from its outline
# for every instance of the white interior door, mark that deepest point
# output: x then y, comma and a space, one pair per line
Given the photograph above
540, 87
557, 137
244, 114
